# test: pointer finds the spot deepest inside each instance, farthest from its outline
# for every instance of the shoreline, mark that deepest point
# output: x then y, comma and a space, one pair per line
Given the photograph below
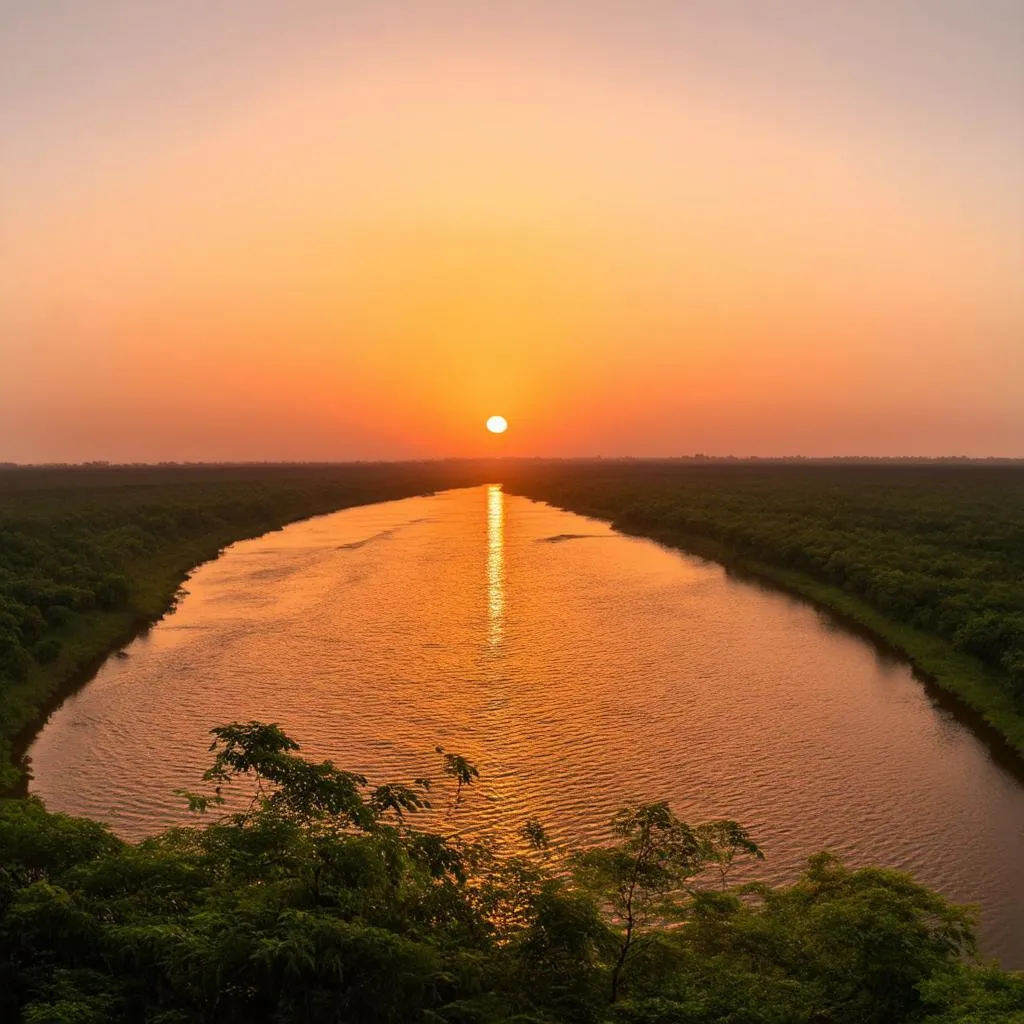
101, 636
957, 682
82, 672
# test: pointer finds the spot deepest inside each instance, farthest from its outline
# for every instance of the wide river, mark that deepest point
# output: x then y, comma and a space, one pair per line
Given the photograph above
580, 669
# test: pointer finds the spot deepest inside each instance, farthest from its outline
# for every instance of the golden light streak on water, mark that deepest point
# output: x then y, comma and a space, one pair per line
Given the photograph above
495, 564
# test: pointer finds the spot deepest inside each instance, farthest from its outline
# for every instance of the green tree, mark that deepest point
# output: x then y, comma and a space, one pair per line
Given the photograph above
646, 879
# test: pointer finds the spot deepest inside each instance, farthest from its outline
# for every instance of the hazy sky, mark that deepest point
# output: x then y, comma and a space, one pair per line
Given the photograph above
251, 229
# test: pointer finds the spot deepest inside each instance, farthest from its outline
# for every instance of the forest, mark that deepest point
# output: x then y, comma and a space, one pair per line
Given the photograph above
91, 554
324, 901
928, 556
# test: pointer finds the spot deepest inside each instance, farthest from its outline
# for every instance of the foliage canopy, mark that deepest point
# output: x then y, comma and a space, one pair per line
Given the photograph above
323, 901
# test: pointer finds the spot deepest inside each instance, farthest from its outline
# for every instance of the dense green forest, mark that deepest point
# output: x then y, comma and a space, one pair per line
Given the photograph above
324, 902
929, 556
90, 554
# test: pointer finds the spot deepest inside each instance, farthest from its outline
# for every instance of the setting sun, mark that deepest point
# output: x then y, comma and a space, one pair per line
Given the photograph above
497, 424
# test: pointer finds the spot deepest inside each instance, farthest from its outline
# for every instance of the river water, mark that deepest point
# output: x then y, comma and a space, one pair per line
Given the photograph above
579, 669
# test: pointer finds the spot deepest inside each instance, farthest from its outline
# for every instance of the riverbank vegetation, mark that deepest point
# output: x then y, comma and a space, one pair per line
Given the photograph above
327, 900
928, 556
324, 901
88, 555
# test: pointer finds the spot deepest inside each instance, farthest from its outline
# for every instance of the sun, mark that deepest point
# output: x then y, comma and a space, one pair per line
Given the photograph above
497, 424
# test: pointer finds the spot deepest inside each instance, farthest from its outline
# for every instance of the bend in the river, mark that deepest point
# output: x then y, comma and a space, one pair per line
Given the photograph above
579, 668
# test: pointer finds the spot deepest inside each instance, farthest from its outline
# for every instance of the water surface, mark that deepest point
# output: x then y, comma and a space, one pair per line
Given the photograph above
580, 669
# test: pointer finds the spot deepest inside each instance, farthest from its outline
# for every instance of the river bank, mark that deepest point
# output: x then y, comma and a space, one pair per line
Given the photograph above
69, 530
974, 686
158, 585
967, 679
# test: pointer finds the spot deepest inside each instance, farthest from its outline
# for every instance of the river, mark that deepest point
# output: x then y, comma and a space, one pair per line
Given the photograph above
578, 668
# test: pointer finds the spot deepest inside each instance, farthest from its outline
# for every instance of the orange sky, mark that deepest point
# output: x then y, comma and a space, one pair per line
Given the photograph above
354, 230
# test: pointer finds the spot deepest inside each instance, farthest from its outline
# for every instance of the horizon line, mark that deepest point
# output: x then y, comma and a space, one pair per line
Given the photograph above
10, 466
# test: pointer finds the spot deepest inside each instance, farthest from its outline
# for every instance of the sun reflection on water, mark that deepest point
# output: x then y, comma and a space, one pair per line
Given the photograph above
495, 563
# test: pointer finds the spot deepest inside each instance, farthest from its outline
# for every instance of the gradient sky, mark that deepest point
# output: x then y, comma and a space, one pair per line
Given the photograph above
329, 230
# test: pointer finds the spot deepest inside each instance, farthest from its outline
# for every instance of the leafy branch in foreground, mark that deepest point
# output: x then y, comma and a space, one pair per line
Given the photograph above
319, 902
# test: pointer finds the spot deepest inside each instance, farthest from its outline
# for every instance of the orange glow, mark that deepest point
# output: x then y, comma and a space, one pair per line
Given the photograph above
664, 257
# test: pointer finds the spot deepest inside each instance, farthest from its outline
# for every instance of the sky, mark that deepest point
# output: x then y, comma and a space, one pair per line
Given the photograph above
251, 230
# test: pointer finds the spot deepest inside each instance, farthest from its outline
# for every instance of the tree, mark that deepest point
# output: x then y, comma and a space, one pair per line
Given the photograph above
645, 881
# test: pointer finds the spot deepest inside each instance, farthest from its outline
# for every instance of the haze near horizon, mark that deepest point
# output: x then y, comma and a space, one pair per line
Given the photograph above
255, 231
